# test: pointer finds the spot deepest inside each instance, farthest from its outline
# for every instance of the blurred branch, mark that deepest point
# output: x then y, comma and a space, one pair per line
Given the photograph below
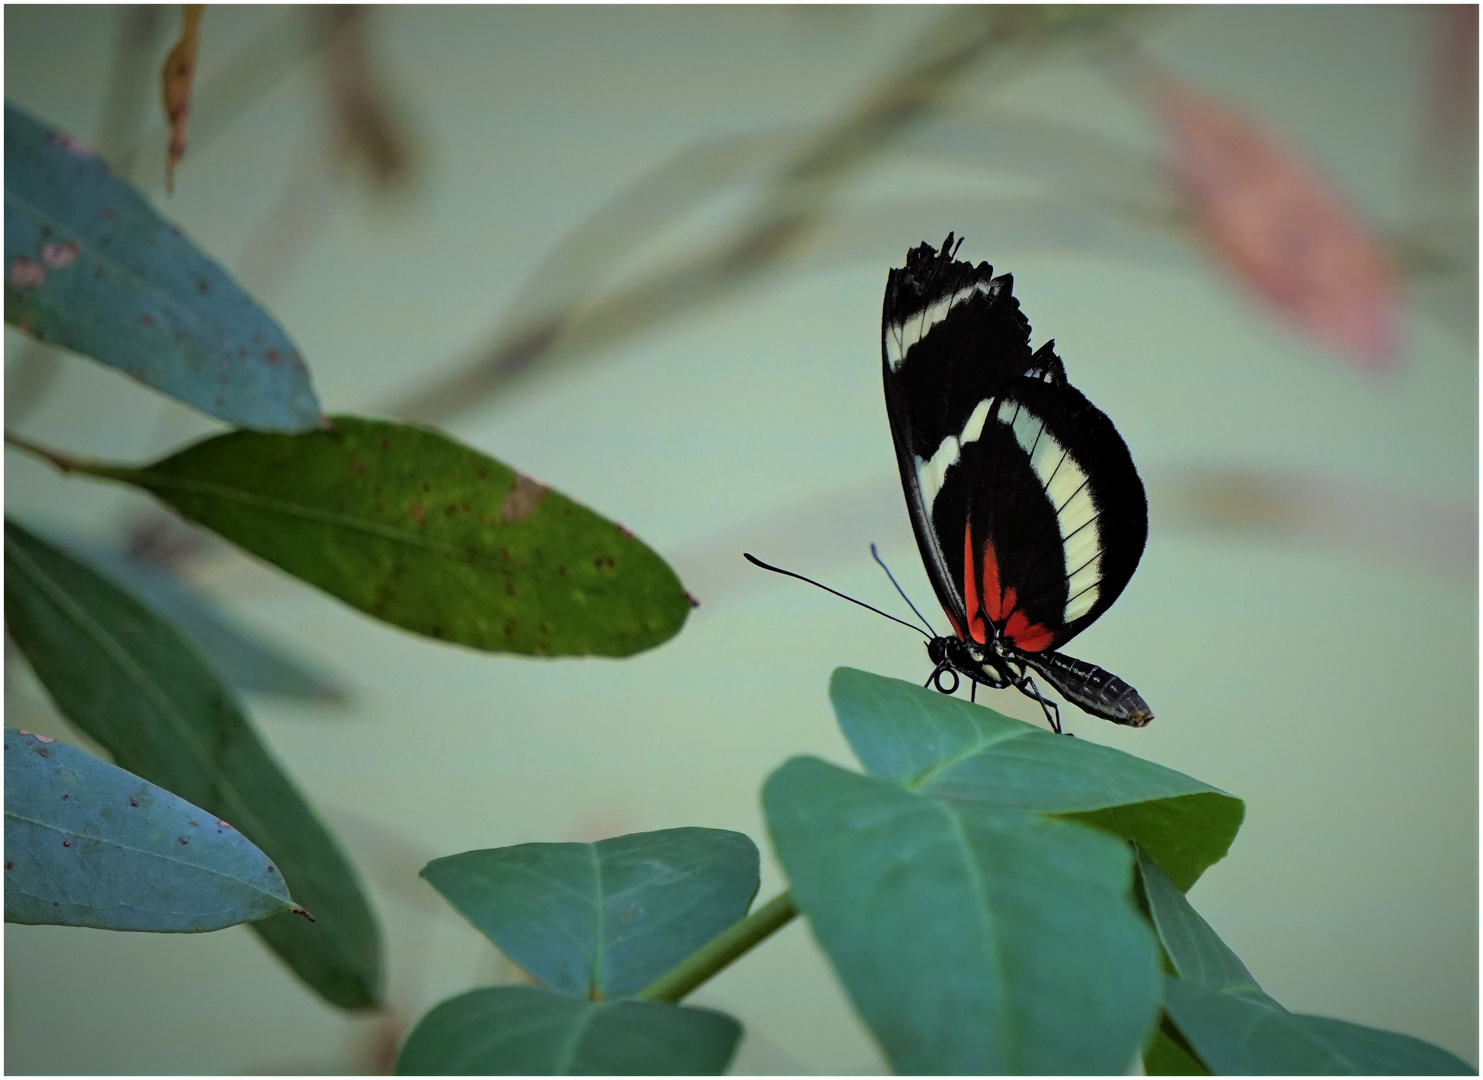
782, 218
177, 76
364, 125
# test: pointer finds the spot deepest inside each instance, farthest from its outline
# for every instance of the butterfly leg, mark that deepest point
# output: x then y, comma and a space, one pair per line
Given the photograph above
1050, 708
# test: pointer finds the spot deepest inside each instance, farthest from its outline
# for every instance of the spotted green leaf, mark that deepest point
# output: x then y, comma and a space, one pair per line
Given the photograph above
130, 681
90, 266
420, 531
524, 1030
88, 844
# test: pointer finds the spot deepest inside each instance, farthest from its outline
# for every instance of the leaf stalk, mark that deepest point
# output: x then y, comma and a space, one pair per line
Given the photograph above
720, 951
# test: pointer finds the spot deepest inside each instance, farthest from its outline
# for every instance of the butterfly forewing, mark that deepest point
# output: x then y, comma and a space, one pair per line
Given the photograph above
1025, 503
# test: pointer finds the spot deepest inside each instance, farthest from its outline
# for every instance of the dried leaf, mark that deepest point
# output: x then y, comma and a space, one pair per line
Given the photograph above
176, 78
1281, 226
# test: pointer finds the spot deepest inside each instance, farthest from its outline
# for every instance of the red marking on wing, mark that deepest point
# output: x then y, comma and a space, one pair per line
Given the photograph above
1002, 606
976, 625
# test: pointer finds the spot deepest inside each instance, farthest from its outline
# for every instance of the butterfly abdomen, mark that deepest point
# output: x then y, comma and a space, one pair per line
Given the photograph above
1094, 689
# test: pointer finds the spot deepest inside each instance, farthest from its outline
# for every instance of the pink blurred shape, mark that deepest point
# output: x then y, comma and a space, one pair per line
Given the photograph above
1282, 227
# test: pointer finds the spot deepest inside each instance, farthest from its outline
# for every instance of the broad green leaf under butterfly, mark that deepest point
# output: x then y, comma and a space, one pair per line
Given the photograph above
425, 533
1236, 1027
88, 844
972, 939
132, 683
524, 1030
951, 749
603, 920
90, 266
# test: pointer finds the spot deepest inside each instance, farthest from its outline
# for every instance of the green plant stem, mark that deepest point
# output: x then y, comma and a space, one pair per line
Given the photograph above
721, 950
65, 462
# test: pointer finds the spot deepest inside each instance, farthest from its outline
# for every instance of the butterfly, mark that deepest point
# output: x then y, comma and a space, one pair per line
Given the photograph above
1027, 508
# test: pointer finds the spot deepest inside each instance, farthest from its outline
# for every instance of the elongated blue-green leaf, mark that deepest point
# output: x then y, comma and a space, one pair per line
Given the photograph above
1236, 1027
522, 1030
603, 920
246, 660
972, 939
90, 266
132, 683
88, 844
956, 750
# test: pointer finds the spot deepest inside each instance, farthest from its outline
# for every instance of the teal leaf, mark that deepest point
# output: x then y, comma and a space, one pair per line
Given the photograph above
971, 939
246, 660
952, 749
603, 920
90, 266
523, 1030
131, 682
420, 531
1236, 1027
1167, 1054
88, 844
1196, 951
1238, 1034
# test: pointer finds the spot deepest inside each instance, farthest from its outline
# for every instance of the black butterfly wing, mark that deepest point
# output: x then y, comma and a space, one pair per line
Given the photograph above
1025, 503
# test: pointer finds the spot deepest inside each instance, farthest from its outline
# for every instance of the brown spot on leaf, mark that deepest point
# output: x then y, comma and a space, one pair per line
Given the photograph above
108, 213
147, 319
66, 843
622, 531
427, 485
65, 796
203, 286
482, 475
521, 499
451, 509
133, 801
356, 467
57, 254
385, 443
184, 839
25, 273
419, 512
509, 587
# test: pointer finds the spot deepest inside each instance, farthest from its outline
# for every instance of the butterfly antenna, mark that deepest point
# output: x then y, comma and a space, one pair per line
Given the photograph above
876, 555
779, 570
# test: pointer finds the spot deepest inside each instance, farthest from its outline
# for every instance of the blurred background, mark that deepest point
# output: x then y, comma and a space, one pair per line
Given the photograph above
639, 253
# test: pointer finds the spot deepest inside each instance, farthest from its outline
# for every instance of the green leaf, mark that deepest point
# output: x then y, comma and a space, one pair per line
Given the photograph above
972, 939
132, 683
1195, 950
1234, 1033
1236, 1027
88, 844
90, 266
952, 749
522, 1030
246, 660
603, 920
427, 534
1167, 1055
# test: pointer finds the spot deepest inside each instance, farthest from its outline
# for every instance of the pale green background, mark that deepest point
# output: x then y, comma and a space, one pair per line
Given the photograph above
1331, 685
